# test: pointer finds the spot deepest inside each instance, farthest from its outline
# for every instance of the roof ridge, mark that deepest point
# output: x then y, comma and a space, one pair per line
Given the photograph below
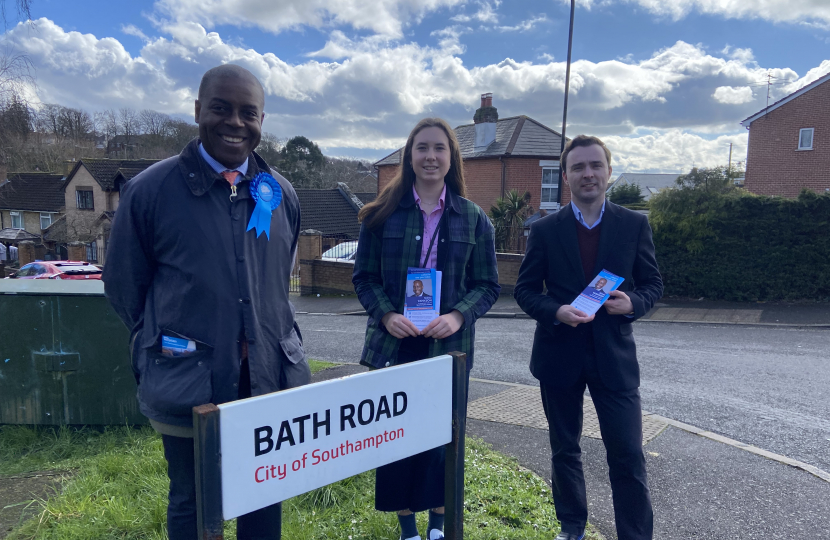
789, 97
515, 137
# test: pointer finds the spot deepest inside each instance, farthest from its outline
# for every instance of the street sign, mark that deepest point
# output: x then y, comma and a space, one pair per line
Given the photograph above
255, 452
284, 444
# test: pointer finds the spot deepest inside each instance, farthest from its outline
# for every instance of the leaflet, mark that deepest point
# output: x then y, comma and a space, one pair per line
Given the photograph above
174, 346
596, 293
423, 296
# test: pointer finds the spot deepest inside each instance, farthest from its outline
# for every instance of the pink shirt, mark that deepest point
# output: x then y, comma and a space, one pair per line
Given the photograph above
430, 223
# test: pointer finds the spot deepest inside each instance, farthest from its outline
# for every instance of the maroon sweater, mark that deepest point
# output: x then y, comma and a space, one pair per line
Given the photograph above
588, 247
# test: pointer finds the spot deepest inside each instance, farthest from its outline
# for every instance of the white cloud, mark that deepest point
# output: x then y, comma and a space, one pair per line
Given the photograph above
367, 93
386, 17
732, 95
673, 151
815, 13
485, 14
133, 30
524, 26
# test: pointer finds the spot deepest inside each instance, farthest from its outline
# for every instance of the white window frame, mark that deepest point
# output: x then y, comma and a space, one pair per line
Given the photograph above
45, 215
18, 215
801, 134
554, 167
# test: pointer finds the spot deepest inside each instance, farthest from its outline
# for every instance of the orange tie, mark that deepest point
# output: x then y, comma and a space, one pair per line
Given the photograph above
230, 176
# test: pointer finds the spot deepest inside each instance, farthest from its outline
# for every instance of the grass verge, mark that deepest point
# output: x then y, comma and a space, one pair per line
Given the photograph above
119, 488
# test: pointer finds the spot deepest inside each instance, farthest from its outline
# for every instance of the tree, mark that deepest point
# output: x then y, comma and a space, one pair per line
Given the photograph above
301, 162
625, 194
508, 216
715, 179
688, 210
24, 10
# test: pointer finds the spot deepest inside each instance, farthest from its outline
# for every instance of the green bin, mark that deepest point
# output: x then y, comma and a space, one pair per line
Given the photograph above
64, 356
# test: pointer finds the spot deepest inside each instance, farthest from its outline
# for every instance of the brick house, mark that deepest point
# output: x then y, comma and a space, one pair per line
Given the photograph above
31, 201
91, 194
29, 204
501, 154
789, 143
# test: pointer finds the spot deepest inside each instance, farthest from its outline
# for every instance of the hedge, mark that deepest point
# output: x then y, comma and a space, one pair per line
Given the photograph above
742, 247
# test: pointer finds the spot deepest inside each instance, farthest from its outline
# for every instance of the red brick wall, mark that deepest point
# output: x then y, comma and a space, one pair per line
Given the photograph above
774, 165
325, 277
483, 179
508, 270
385, 174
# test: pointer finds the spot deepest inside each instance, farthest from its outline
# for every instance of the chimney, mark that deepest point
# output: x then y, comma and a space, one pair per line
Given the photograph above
485, 120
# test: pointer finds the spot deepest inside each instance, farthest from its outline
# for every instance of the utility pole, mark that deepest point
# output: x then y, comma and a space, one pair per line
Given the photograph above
730, 157
565, 110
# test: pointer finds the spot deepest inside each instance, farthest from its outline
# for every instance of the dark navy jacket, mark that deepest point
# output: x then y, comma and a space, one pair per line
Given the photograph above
180, 262
551, 275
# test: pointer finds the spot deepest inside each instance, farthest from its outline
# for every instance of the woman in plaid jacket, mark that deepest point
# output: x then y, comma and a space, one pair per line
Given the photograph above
421, 219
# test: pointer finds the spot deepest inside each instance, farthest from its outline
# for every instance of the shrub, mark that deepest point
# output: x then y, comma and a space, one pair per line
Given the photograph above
728, 244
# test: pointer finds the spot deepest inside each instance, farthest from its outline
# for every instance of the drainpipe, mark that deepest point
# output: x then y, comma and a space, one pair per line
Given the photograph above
503, 176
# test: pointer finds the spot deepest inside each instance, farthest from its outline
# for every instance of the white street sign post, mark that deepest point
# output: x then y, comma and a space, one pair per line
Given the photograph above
255, 452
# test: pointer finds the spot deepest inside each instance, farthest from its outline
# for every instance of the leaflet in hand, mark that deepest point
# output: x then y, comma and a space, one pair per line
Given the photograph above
596, 293
423, 296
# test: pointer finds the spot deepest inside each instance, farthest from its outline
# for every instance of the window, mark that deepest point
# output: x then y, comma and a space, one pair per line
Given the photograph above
805, 139
84, 199
92, 252
17, 220
45, 220
550, 187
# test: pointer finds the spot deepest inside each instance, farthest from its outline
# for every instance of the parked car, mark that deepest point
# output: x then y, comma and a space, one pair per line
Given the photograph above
344, 252
57, 270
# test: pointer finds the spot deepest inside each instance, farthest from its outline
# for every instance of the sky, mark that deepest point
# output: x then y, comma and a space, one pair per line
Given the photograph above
664, 83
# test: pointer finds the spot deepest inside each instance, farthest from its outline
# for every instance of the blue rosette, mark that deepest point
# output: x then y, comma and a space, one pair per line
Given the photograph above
267, 193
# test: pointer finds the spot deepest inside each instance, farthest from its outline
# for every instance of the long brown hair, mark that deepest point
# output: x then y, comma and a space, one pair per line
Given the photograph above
378, 211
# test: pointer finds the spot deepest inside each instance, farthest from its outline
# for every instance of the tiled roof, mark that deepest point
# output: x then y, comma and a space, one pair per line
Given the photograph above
56, 232
17, 235
36, 192
649, 184
328, 211
366, 197
515, 136
105, 171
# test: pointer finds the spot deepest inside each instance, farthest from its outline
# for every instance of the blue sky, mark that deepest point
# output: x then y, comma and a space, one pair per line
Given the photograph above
665, 83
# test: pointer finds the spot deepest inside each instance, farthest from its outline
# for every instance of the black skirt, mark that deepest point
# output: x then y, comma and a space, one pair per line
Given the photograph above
415, 483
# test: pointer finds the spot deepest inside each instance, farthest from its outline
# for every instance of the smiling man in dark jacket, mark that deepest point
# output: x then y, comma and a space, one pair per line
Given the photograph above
206, 298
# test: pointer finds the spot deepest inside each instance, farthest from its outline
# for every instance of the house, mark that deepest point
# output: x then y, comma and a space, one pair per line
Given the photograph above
650, 184
91, 194
31, 201
789, 143
333, 212
501, 154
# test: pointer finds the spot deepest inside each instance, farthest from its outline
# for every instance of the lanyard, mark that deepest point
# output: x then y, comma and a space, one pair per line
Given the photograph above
434, 235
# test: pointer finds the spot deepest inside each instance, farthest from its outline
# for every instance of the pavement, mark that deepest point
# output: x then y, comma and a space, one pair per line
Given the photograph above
801, 314
703, 485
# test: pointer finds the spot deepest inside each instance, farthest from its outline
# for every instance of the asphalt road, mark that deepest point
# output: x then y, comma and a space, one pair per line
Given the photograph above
765, 386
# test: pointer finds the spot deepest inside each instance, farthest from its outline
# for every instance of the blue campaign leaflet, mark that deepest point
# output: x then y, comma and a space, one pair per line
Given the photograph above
423, 296
597, 292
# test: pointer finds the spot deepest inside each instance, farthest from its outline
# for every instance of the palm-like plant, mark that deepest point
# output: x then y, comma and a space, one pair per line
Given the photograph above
508, 215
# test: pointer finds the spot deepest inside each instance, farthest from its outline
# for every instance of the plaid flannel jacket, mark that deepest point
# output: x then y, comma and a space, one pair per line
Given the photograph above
466, 256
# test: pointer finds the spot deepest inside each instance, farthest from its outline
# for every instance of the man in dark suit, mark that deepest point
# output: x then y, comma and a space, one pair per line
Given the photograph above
572, 350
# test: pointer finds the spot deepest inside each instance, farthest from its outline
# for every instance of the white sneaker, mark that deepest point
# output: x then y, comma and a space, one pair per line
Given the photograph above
435, 534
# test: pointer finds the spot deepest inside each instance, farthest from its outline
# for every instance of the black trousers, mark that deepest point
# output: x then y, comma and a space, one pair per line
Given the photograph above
262, 524
621, 424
